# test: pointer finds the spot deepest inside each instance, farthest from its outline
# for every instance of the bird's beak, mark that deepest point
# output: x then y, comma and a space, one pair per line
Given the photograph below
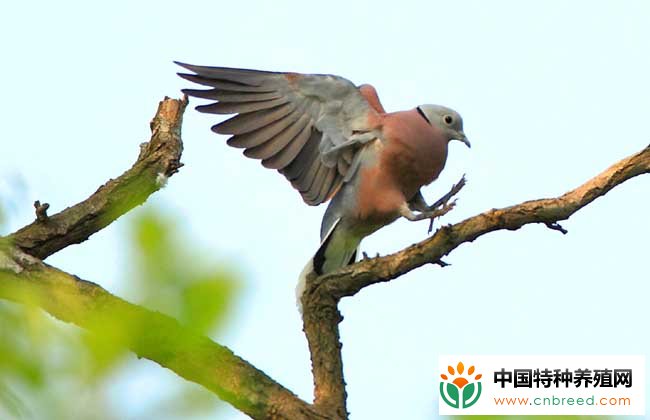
462, 137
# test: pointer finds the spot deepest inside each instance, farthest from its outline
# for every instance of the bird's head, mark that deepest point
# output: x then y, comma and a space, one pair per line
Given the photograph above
448, 120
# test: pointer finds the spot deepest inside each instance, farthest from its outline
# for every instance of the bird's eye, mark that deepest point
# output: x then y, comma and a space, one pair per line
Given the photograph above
448, 119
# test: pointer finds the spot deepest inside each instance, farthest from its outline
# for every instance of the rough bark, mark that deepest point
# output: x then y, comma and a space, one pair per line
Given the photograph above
322, 294
321, 319
152, 335
25, 278
159, 159
549, 211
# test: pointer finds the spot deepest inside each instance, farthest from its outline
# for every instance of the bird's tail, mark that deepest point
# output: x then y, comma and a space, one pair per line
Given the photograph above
337, 249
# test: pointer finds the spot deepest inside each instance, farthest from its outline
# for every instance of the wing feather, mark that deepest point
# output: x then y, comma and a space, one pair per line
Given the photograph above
342, 166
219, 85
307, 126
261, 135
245, 123
336, 184
227, 96
240, 107
278, 142
288, 153
314, 189
326, 184
217, 82
305, 159
243, 76
303, 183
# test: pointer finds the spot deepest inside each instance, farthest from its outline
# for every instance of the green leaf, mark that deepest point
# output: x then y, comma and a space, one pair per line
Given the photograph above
206, 301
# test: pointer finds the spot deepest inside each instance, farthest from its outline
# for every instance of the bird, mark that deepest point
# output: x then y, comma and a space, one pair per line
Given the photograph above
333, 141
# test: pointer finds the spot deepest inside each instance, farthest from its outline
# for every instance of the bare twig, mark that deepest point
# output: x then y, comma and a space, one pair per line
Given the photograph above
41, 211
159, 159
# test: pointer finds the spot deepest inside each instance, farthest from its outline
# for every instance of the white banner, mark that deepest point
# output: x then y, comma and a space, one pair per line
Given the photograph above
522, 385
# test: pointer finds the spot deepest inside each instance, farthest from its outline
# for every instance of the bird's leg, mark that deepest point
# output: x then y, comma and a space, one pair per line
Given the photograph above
444, 200
455, 189
429, 214
418, 203
437, 209
407, 213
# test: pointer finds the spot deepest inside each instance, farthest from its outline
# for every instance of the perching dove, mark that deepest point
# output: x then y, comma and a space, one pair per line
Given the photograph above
333, 140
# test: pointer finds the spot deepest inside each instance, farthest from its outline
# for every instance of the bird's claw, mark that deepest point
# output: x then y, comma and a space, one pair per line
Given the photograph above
367, 257
442, 206
439, 212
455, 189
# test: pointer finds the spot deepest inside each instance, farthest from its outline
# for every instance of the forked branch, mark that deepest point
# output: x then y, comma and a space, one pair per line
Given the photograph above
25, 278
326, 291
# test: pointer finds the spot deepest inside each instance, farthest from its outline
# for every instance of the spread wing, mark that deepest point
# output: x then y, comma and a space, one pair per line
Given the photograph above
308, 127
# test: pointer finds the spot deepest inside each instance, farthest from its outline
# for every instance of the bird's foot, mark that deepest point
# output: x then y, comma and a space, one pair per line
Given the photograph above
455, 189
443, 206
439, 212
366, 257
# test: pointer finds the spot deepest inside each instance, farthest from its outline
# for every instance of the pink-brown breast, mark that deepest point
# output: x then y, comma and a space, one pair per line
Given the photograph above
412, 154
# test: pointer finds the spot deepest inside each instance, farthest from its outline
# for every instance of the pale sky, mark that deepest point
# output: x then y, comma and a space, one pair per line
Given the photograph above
551, 94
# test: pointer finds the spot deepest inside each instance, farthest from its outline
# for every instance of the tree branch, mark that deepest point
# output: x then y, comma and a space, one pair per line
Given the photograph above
151, 335
158, 160
320, 299
350, 280
321, 319
24, 278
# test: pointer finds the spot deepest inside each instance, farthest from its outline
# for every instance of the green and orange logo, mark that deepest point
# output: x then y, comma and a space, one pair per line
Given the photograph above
456, 390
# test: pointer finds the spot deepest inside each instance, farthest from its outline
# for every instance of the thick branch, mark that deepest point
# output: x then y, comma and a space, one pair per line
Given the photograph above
24, 278
159, 159
321, 319
320, 299
160, 338
350, 280
152, 335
